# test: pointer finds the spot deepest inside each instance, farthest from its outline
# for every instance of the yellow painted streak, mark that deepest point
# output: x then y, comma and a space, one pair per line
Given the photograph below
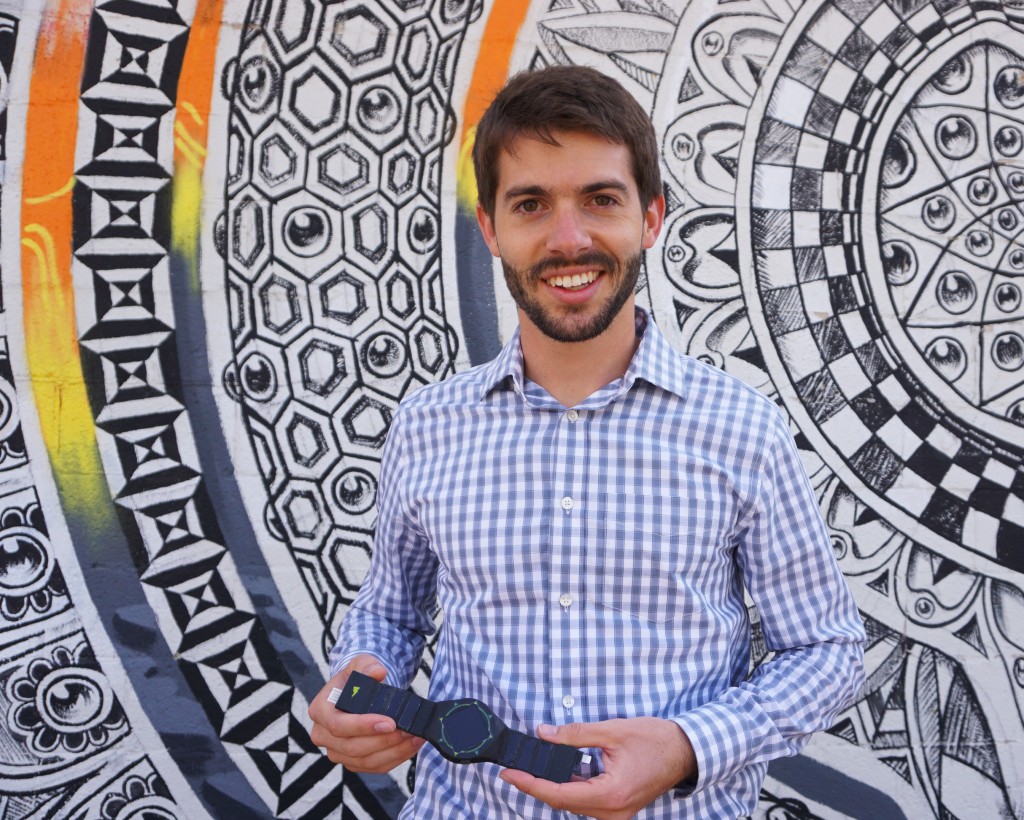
188, 153
499, 39
187, 197
192, 112
66, 188
182, 134
465, 175
65, 417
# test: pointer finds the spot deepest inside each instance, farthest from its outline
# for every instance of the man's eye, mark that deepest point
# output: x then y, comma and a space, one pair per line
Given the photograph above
528, 206
603, 200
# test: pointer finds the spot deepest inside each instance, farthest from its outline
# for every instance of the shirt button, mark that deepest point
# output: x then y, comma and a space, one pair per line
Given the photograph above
565, 600
572, 415
568, 701
567, 503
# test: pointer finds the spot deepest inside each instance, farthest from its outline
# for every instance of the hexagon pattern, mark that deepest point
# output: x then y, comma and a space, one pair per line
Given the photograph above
346, 326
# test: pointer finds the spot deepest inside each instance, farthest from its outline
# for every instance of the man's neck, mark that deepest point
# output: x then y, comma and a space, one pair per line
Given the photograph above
571, 371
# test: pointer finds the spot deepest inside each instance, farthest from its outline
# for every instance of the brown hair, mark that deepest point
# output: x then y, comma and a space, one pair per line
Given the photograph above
536, 104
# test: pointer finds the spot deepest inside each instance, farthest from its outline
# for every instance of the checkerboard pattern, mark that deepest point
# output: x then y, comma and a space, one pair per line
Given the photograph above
963, 487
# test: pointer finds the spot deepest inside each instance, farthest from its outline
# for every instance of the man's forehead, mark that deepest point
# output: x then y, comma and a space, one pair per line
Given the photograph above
558, 139
518, 162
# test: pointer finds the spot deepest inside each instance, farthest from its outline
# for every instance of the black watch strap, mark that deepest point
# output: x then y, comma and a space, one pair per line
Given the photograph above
464, 731
363, 695
551, 761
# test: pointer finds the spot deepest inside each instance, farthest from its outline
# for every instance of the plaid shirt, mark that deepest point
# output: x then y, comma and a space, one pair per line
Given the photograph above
590, 563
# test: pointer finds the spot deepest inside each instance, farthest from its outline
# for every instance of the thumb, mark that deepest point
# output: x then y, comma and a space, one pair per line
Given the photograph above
369, 666
579, 735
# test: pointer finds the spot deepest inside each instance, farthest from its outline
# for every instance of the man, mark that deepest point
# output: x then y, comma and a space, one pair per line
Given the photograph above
587, 510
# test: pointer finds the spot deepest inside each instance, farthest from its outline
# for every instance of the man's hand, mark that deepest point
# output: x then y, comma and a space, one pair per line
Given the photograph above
643, 758
362, 743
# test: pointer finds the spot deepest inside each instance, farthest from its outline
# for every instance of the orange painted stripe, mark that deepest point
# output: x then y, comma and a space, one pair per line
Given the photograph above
489, 75
195, 85
493, 58
51, 126
51, 343
191, 131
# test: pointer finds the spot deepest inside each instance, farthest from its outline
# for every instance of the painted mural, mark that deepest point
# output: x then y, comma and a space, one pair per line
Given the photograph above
235, 233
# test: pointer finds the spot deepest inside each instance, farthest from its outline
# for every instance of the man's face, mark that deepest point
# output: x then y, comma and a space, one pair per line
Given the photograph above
569, 229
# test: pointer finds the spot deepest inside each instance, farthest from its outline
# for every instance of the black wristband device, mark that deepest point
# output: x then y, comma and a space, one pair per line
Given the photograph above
463, 731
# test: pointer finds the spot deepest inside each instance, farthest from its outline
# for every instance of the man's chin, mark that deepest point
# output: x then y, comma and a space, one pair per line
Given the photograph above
576, 323
571, 330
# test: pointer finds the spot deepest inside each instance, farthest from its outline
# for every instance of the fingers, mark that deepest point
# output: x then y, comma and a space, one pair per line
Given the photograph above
363, 743
580, 735
323, 711
362, 756
368, 665
642, 759
601, 797
579, 797
372, 730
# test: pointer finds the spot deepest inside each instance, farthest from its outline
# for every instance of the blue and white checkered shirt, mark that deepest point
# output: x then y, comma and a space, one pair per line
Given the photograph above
590, 564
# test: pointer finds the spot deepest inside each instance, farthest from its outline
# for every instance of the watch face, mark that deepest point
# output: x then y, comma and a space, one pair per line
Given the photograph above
465, 729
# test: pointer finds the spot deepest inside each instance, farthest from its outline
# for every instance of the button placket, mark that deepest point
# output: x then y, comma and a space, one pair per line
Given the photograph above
567, 474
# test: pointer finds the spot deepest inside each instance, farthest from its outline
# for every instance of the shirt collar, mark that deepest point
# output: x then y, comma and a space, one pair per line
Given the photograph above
655, 361
506, 366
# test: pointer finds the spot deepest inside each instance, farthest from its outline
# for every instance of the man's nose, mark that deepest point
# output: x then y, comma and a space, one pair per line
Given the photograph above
569, 236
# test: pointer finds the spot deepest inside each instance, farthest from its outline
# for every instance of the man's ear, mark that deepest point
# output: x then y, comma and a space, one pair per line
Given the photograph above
654, 218
487, 229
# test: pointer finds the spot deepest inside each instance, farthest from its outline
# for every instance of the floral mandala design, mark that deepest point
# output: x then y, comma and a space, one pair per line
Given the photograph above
142, 797
30, 579
63, 704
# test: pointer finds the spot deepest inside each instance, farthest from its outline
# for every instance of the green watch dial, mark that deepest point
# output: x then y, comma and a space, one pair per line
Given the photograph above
466, 728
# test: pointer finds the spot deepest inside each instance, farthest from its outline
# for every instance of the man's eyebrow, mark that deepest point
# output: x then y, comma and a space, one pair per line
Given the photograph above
524, 190
589, 188
604, 185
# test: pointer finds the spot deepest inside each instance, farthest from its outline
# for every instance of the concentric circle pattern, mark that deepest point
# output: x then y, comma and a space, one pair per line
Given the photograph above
953, 254
908, 382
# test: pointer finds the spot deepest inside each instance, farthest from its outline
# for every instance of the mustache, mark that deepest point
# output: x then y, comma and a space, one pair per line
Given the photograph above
594, 259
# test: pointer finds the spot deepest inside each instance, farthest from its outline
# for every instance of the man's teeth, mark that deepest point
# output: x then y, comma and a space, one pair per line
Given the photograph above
577, 280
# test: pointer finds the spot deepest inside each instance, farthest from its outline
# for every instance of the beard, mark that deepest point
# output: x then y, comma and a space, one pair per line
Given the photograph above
577, 323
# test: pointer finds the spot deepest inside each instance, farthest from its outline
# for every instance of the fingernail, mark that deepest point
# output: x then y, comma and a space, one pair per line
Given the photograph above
383, 727
546, 731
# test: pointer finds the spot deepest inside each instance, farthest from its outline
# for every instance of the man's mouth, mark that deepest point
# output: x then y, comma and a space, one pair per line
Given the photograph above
573, 281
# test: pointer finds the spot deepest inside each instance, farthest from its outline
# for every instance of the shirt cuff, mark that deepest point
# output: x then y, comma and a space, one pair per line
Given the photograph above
687, 786
340, 663
718, 736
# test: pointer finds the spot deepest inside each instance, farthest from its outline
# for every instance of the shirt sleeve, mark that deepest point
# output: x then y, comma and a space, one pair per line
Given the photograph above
394, 612
809, 620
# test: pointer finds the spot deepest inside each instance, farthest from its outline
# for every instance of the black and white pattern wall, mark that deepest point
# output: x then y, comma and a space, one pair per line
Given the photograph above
256, 281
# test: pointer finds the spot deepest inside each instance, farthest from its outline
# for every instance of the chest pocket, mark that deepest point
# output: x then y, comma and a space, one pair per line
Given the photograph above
654, 555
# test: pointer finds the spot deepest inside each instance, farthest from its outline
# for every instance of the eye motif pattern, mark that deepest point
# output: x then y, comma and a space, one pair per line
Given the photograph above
954, 253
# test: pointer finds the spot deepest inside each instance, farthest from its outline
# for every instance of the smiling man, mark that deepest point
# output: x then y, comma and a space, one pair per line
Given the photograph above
569, 236
588, 511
